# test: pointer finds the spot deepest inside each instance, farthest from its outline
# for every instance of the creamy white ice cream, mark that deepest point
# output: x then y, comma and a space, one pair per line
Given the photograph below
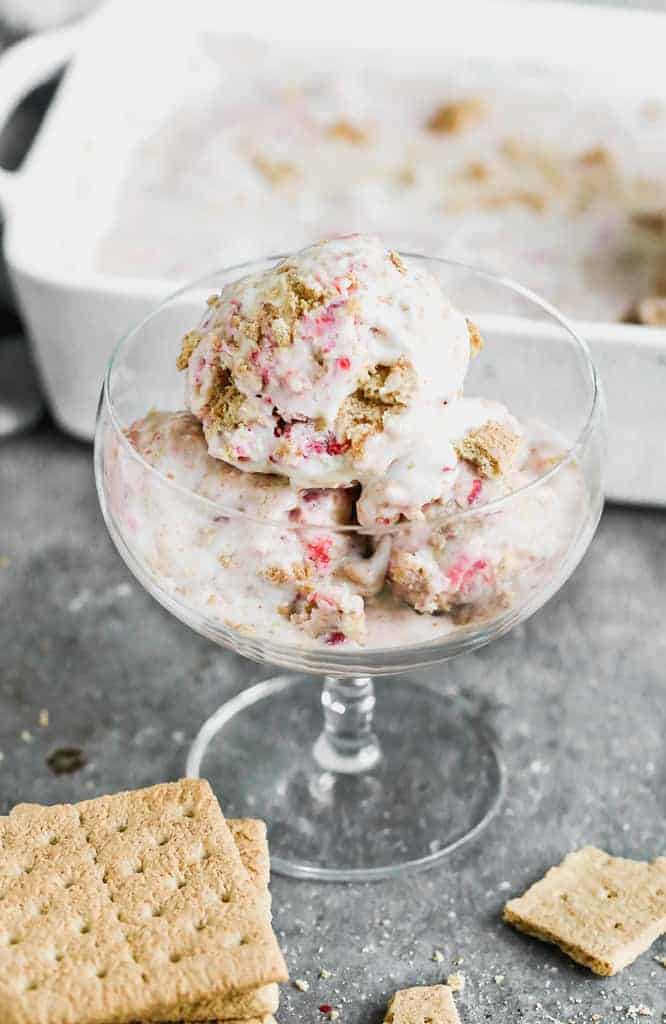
477, 565
244, 547
265, 559
330, 479
323, 368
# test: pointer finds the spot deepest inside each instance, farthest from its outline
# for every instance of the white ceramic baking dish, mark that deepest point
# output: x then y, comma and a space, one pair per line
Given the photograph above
74, 316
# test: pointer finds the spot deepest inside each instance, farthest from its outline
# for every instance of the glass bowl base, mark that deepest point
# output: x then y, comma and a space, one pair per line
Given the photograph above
425, 780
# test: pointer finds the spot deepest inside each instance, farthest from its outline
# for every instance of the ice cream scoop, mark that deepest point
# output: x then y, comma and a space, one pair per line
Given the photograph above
322, 368
474, 566
429, 470
257, 551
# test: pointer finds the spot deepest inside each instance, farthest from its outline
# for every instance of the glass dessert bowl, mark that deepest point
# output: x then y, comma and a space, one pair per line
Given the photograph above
346, 582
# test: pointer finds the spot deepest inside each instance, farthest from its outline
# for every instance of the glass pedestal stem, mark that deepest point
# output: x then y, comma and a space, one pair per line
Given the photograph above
347, 743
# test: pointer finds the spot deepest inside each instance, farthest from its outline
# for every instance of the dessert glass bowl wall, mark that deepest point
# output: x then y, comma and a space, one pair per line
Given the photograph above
351, 791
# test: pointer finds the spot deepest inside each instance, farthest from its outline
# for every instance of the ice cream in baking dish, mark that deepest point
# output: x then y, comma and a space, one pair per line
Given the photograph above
317, 503
533, 174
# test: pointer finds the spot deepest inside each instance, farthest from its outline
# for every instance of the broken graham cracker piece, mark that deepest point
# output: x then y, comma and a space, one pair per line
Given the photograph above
493, 448
188, 345
127, 907
601, 911
432, 1004
476, 341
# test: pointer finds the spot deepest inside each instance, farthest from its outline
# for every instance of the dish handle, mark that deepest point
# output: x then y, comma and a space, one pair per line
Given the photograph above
23, 67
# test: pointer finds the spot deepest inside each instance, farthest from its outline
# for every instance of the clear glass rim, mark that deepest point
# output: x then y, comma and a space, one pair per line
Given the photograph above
374, 530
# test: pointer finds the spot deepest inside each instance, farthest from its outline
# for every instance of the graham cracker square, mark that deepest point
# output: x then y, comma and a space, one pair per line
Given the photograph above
258, 1004
427, 1004
601, 911
127, 907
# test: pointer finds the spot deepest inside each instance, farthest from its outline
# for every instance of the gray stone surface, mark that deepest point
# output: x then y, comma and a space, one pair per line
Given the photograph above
576, 696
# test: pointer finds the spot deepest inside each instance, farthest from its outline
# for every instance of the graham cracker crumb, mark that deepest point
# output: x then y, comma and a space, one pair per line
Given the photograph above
476, 171
653, 221
406, 176
43, 718
492, 448
437, 956
391, 384
348, 132
456, 982
188, 345
276, 574
277, 172
397, 262
291, 299
652, 311
26, 736
360, 418
598, 156
362, 414
455, 117
476, 341
225, 402
301, 984
535, 201
660, 960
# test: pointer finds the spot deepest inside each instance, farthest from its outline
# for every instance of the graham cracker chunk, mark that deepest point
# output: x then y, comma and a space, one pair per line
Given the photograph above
127, 907
455, 117
492, 448
431, 1004
476, 341
601, 911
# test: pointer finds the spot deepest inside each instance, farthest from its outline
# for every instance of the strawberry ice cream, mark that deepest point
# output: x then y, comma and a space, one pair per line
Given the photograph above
322, 368
205, 537
329, 480
476, 565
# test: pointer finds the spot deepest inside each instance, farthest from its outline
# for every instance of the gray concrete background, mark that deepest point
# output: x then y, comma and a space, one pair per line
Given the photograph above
576, 696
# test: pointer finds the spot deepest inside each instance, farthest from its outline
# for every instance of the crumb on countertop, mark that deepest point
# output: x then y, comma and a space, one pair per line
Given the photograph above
456, 982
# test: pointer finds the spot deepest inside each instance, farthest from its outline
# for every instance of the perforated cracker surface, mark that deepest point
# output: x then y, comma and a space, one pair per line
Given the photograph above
601, 911
133, 906
427, 1004
250, 838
